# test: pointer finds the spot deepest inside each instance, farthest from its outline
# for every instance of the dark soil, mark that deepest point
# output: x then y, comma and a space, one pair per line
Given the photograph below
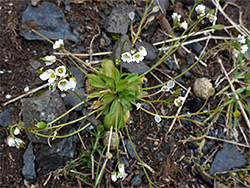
160, 151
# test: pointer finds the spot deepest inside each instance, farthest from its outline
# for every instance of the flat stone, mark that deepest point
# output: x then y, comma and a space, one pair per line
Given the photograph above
130, 149
29, 170
46, 108
229, 158
72, 100
5, 120
48, 20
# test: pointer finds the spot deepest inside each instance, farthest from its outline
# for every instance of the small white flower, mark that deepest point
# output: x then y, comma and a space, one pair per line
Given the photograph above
143, 51
131, 15
200, 9
50, 59
157, 119
184, 25
72, 82
48, 75
138, 106
121, 168
18, 142
241, 39
121, 175
176, 16
177, 102
8, 96
64, 85
165, 88
52, 86
137, 57
58, 44
211, 18
16, 131
243, 48
114, 176
127, 57
235, 53
60, 71
170, 84
11, 141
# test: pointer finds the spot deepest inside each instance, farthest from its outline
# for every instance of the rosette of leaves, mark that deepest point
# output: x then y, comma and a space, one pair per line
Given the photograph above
116, 92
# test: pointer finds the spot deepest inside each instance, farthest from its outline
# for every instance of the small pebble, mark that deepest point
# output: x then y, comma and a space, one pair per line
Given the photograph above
156, 143
26, 89
8, 96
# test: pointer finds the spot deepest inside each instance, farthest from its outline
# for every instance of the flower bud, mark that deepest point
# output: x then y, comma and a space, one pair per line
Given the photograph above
41, 125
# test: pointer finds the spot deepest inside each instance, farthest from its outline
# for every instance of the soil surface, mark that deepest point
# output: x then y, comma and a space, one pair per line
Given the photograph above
160, 150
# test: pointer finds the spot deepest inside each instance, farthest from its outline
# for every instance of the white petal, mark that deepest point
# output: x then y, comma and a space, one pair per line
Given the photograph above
143, 51
165, 88
138, 57
16, 131
127, 57
11, 142
60, 71
138, 106
157, 119
114, 176
72, 82
63, 85
170, 84
121, 168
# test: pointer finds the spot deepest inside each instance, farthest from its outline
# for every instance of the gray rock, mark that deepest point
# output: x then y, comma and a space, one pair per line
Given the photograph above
152, 51
5, 117
162, 4
35, 64
46, 108
91, 118
190, 59
72, 100
79, 76
229, 158
130, 149
62, 150
183, 68
118, 20
48, 20
117, 49
197, 47
29, 171
137, 180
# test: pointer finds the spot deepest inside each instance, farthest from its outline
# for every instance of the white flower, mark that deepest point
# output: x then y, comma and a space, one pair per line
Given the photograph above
165, 88
121, 175
142, 51
121, 168
138, 106
211, 18
243, 48
176, 16
18, 142
16, 131
60, 71
72, 82
64, 85
48, 74
114, 176
8, 96
157, 119
235, 53
58, 44
26, 89
137, 57
170, 84
127, 57
52, 86
11, 141
178, 101
241, 39
131, 15
200, 9
184, 25
50, 59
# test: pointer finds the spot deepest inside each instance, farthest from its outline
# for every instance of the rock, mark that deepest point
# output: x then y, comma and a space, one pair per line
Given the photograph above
203, 88
29, 171
46, 108
79, 76
72, 100
162, 4
91, 118
62, 150
169, 63
133, 67
130, 149
137, 180
152, 51
116, 52
190, 59
183, 68
118, 20
197, 47
229, 158
35, 64
5, 120
48, 20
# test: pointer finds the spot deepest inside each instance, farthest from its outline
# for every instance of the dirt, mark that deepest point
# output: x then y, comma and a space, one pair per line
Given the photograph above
150, 139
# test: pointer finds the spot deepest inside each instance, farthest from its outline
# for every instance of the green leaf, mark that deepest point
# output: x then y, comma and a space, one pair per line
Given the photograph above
107, 97
121, 85
94, 95
247, 77
108, 68
117, 75
110, 82
96, 81
131, 77
125, 103
113, 106
218, 27
173, 2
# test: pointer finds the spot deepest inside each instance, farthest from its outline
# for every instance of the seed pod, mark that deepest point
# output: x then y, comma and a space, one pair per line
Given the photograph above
113, 140
203, 88
41, 125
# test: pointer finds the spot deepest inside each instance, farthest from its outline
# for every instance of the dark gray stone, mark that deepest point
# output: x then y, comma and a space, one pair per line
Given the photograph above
48, 20
72, 100
190, 59
183, 68
117, 49
137, 180
29, 170
79, 76
130, 149
229, 158
5, 117
118, 20
162, 4
152, 51
46, 108
62, 150
197, 47
91, 118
